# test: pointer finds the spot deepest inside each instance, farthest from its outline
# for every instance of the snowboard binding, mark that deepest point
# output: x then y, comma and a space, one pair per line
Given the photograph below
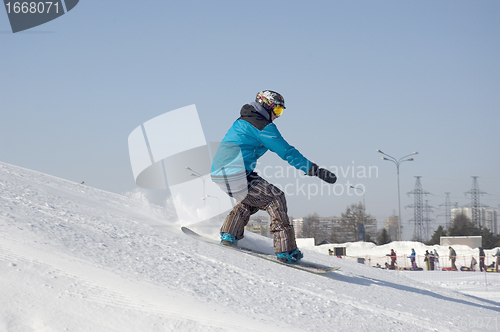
228, 240
290, 257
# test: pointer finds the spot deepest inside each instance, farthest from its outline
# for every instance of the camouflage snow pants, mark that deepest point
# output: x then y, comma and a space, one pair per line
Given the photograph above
263, 196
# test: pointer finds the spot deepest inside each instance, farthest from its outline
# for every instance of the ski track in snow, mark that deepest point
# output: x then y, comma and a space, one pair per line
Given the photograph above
76, 258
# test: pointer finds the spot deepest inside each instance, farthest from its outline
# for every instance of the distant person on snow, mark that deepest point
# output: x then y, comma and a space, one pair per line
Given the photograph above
250, 136
498, 260
412, 259
431, 260
473, 263
436, 260
393, 260
426, 260
453, 258
481, 260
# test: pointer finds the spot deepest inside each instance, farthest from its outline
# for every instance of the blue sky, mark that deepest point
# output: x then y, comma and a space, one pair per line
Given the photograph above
400, 76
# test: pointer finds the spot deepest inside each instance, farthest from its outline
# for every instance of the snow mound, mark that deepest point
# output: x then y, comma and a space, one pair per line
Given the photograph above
76, 258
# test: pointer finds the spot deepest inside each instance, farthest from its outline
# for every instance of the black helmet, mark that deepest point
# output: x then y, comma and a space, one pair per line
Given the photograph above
270, 99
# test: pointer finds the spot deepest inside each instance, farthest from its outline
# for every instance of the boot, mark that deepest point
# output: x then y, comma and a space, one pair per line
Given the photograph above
290, 257
227, 239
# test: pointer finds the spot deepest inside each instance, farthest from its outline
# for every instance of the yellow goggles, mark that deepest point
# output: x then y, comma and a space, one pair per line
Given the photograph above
278, 110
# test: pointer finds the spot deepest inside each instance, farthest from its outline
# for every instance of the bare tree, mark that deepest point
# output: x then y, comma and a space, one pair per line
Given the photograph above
353, 216
310, 225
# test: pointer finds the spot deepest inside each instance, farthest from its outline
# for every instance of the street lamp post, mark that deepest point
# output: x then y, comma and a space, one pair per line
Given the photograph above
398, 162
205, 196
217, 198
194, 173
363, 191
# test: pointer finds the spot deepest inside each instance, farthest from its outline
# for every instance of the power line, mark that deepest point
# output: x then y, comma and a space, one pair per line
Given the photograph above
421, 222
447, 210
475, 204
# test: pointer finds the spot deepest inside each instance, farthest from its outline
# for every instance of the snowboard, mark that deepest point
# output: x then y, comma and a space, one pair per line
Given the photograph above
300, 265
411, 269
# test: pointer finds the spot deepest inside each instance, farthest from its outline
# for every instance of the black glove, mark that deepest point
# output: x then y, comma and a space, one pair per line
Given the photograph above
322, 173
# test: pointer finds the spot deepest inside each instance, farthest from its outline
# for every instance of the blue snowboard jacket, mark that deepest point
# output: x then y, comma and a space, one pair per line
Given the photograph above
254, 134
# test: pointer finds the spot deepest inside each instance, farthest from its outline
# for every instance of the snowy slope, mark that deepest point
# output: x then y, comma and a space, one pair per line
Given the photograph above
78, 259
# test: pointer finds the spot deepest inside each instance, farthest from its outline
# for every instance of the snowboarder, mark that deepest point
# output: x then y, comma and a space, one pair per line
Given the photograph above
481, 260
250, 136
436, 260
453, 258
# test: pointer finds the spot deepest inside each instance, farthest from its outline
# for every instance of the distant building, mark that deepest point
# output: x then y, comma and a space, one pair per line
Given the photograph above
371, 227
487, 217
259, 225
298, 226
391, 224
327, 227
331, 229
